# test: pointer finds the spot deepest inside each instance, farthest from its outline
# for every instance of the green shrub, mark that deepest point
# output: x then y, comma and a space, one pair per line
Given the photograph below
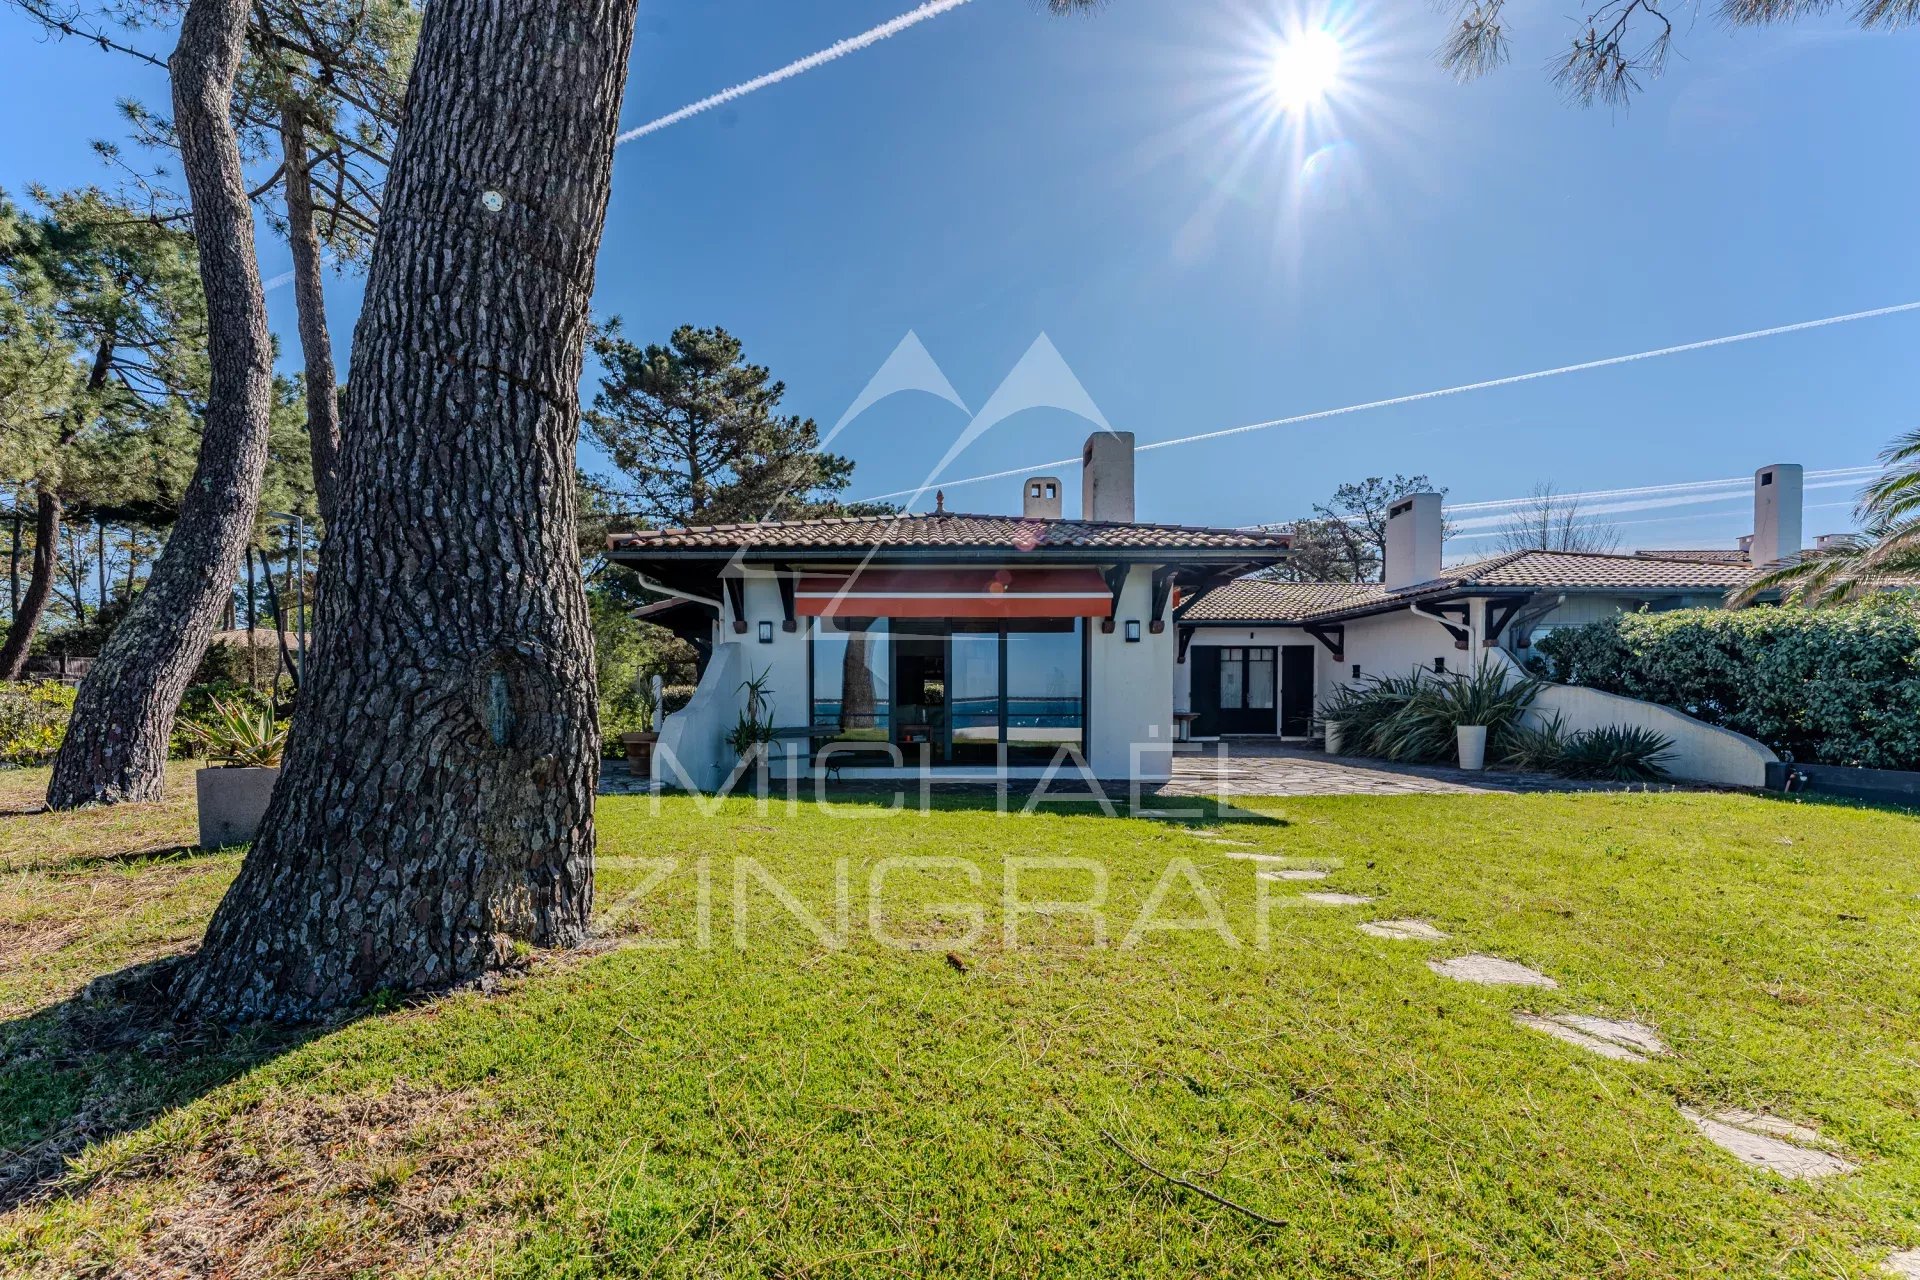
33, 721
1830, 686
1411, 719
1620, 753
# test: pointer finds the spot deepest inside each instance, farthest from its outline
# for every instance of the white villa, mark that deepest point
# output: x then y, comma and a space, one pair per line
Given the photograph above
987, 645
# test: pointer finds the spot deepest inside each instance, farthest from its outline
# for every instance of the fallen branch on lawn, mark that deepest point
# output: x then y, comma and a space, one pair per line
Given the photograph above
1194, 1187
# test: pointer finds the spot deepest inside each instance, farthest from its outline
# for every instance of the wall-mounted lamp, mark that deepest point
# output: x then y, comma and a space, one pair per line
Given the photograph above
1133, 631
1439, 665
1356, 671
766, 633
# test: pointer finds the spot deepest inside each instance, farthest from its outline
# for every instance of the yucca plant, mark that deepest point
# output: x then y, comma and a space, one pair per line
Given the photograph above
1886, 554
1618, 753
232, 733
1411, 719
1537, 747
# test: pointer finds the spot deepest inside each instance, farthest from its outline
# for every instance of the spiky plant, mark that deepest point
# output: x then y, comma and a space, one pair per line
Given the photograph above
232, 733
1617, 753
1887, 554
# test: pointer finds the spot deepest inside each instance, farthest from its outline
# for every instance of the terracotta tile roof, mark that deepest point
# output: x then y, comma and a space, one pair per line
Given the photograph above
1256, 600
1251, 600
1705, 556
949, 529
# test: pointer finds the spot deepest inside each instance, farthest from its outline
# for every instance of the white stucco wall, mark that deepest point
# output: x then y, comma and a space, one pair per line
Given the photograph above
1130, 688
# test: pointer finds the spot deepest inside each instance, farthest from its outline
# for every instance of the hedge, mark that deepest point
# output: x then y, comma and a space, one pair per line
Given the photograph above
33, 721
1821, 686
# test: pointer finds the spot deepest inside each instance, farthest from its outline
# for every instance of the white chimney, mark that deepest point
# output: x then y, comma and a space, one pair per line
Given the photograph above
1414, 529
1776, 512
1042, 500
1106, 477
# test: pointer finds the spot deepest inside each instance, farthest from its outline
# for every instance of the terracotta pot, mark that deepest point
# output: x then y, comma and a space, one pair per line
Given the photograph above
232, 801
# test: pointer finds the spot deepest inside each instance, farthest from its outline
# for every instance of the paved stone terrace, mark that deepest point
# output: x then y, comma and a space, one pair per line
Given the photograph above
1264, 768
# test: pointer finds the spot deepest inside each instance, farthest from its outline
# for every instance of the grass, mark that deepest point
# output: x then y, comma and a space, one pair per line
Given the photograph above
796, 1109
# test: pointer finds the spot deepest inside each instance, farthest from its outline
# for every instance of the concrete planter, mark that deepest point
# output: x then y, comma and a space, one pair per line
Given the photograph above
1334, 744
1473, 746
232, 801
639, 747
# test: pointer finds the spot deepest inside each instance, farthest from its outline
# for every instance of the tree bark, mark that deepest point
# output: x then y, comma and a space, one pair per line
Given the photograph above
436, 804
310, 304
33, 605
116, 745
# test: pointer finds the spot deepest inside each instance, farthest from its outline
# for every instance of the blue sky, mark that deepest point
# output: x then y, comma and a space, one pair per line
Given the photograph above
1116, 183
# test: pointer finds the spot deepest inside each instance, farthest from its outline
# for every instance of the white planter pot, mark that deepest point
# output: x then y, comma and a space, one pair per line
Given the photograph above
1473, 746
1333, 737
232, 801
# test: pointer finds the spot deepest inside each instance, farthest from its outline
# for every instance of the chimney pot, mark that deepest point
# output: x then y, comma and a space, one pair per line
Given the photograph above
1041, 500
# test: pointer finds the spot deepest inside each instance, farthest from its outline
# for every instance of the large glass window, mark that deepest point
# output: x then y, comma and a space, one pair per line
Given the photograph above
1233, 678
1044, 698
852, 677
962, 688
1247, 678
975, 687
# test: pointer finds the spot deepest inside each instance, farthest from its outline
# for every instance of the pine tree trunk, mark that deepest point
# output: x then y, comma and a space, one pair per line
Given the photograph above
116, 745
33, 605
436, 805
310, 303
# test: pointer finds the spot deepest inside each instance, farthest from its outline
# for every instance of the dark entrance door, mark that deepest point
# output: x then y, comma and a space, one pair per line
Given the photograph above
1233, 689
1296, 690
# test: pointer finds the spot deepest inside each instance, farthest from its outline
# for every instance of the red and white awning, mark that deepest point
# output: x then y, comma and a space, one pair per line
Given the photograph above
955, 593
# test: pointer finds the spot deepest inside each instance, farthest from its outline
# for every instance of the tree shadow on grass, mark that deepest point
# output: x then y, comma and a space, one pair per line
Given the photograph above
107, 1062
1064, 798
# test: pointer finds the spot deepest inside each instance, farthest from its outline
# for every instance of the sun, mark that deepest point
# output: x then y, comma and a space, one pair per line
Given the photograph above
1303, 69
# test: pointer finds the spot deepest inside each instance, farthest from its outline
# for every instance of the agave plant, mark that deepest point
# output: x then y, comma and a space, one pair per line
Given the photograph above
1850, 567
233, 733
1411, 719
1620, 753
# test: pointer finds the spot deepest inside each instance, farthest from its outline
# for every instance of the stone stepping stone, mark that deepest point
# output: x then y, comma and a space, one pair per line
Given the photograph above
1403, 930
1294, 873
1760, 1141
1490, 971
1621, 1041
1337, 899
1906, 1264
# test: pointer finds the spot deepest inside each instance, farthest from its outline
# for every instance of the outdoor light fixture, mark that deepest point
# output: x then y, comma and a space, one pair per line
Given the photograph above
766, 633
1133, 631
1356, 671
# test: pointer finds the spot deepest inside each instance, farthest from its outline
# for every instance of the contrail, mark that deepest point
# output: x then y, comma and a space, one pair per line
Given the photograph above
852, 44
1486, 385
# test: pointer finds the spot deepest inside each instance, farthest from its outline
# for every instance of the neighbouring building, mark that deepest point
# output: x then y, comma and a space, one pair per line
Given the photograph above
1255, 657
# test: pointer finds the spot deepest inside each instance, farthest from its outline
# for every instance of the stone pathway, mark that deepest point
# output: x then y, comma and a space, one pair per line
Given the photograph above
1906, 1264
1761, 1141
1255, 767
1621, 1041
1490, 971
1403, 930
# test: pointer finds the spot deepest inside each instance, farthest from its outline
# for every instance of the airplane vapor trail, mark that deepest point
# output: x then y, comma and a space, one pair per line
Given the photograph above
1484, 385
840, 49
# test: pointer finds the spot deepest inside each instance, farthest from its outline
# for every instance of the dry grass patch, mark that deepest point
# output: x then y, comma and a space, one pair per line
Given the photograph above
398, 1183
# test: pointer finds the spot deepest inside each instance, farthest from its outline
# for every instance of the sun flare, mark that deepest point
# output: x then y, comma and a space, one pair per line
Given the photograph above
1304, 69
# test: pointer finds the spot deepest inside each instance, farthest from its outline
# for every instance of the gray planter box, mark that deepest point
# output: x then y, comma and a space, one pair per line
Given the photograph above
232, 802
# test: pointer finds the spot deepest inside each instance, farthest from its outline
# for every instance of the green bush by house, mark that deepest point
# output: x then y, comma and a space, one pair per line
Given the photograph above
1827, 686
33, 720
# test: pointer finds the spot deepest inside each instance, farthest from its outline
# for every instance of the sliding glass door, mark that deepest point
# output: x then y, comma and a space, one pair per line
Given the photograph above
964, 687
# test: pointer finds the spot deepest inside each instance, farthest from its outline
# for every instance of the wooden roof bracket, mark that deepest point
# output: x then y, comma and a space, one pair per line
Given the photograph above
1333, 637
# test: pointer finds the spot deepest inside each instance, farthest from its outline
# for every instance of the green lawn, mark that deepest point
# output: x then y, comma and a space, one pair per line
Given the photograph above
790, 1108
